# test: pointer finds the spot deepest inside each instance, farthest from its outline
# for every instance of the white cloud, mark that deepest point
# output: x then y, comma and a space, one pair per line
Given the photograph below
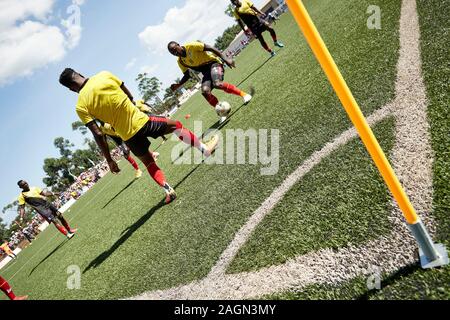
28, 42
148, 69
196, 20
130, 64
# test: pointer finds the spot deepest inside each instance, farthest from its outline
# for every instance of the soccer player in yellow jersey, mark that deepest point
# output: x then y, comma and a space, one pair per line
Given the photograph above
35, 198
247, 14
6, 249
105, 97
209, 61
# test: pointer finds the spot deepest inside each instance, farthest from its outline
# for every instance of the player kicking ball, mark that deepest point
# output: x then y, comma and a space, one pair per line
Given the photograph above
248, 15
207, 60
6, 288
35, 198
105, 97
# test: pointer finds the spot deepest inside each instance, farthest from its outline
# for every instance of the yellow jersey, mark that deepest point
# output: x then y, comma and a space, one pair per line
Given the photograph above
107, 129
102, 98
196, 57
245, 9
6, 248
140, 104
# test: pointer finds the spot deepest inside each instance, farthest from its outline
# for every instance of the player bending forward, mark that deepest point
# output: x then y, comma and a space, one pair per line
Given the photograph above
35, 198
106, 98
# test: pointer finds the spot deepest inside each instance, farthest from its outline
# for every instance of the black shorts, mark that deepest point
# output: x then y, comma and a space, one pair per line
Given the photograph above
254, 23
49, 212
212, 73
154, 128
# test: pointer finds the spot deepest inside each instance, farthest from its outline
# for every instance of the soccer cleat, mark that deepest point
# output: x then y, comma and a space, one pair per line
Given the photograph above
21, 298
156, 154
247, 98
138, 174
170, 196
70, 235
279, 44
273, 54
73, 230
211, 146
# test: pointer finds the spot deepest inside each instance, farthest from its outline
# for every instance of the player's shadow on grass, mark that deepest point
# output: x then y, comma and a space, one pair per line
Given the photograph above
392, 279
118, 194
49, 255
254, 71
128, 232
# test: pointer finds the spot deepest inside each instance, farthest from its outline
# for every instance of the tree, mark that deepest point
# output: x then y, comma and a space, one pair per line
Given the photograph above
149, 87
63, 145
79, 126
227, 37
3, 230
229, 11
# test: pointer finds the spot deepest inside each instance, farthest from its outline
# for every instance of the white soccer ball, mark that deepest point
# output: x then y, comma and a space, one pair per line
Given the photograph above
223, 109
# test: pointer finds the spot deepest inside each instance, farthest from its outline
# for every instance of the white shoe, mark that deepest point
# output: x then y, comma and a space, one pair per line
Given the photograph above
70, 235
211, 146
222, 120
138, 174
247, 98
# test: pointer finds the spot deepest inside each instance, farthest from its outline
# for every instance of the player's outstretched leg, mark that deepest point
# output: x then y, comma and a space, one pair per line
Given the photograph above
158, 175
189, 137
6, 288
65, 228
217, 76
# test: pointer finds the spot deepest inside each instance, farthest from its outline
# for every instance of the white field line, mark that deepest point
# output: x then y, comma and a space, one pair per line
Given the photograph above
412, 160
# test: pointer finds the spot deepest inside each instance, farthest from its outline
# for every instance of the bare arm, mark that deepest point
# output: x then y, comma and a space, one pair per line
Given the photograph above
186, 77
101, 142
21, 212
127, 92
229, 62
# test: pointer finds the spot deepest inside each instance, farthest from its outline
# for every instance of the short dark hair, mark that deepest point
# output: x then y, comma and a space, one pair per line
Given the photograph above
171, 44
20, 182
67, 77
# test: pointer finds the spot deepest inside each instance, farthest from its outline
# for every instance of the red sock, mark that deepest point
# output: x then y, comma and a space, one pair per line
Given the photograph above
212, 100
187, 136
133, 162
61, 229
66, 225
157, 174
229, 88
5, 287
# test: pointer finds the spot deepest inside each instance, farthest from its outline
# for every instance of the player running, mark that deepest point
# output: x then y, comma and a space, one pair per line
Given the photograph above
209, 61
248, 15
106, 98
35, 198
6, 249
6, 288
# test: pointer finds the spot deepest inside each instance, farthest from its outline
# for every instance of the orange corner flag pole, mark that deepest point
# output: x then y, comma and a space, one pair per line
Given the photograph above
330, 68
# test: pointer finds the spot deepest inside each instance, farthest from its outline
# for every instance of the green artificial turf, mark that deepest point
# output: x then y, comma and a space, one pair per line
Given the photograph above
412, 282
128, 243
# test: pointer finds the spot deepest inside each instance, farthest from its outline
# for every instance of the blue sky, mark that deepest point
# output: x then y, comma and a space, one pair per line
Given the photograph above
124, 37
